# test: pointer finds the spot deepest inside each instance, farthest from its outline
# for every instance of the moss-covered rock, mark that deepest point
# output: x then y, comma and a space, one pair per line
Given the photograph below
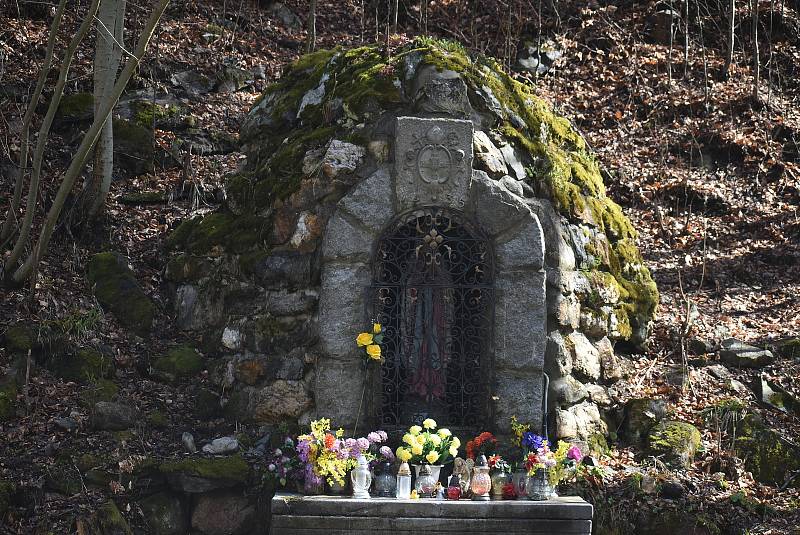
179, 363
75, 108
164, 514
148, 114
198, 474
158, 419
133, 148
108, 520
234, 234
19, 339
118, 291
767, 455
85, 365
676, 441
101, 390
8, 398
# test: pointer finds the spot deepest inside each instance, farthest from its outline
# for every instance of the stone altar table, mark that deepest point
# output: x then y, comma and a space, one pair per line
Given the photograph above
293, 514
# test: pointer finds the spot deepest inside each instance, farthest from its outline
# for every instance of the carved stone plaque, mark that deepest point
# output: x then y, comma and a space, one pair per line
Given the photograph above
433, 162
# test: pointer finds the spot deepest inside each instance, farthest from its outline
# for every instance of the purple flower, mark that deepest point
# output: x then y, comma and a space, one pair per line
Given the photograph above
374, 438
304, 450
383, 435
363, 444
575, 454
386, 451
533, 442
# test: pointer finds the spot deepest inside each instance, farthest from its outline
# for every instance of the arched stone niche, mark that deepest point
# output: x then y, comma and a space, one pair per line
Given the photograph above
433, 167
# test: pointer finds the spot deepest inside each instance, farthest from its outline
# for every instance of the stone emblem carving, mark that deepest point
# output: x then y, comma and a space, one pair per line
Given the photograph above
433, 162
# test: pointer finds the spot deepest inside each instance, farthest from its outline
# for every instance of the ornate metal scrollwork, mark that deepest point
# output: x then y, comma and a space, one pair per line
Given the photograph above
432, 290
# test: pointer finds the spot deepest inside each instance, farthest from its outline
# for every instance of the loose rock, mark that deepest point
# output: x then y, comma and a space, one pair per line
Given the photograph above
111, 416
220, 446
743, 355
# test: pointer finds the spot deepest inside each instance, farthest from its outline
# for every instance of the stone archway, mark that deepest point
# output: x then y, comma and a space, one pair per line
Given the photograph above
519, 330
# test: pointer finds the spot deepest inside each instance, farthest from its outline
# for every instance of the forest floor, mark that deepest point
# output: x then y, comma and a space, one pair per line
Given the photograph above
709, 176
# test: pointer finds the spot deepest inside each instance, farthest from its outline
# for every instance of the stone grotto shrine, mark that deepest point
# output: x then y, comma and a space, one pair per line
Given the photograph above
429, 191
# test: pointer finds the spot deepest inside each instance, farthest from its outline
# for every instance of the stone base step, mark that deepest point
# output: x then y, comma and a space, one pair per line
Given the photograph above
293, 514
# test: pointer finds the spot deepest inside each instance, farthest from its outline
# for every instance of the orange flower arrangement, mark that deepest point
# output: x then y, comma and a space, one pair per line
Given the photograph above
483, 444
329, 440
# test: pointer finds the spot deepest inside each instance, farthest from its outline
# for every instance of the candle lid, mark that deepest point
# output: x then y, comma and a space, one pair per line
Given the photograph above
404, 470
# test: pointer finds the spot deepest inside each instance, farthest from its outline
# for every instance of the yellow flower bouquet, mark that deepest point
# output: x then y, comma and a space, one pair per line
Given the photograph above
371, 342
425, 445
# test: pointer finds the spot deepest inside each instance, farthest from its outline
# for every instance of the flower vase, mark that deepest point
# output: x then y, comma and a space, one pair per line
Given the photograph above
337, 489
435, 470
499, 480
539, 487
520, 480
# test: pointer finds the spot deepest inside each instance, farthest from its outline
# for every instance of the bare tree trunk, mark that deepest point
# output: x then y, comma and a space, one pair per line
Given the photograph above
44, 132
396, 9
731, 28
685, 38
11, 216
311, 44
108, 53
79, 159
756, 62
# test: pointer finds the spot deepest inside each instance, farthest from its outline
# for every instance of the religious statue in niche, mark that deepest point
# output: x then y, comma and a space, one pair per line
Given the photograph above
433, 294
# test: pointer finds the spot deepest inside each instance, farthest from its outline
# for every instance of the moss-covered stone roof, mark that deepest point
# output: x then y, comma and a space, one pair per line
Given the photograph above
351, 94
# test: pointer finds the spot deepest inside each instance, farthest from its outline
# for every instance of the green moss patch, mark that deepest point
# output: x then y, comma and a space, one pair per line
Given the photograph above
230, 470
676, 441
102, 390
108, 520
118, 291
147, 113
767, 455
180, 362
8, 399
86, 365
222, 230
77, 107
19, 339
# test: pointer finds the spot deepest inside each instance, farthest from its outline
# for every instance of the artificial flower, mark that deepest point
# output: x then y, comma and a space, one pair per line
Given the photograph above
416, 449
453, 451
403, 454
456, 442
533, 442
386, 451
408, 438
429, 423
415, 430
575, 454
376, 328
432, 457
444, 433
374, 351
364, 339
420, 439
436, 440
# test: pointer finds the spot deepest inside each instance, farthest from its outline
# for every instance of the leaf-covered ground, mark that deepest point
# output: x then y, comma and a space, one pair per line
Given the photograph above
709, 176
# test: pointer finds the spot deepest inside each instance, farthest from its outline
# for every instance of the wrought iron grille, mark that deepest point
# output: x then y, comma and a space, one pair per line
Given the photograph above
432, 290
